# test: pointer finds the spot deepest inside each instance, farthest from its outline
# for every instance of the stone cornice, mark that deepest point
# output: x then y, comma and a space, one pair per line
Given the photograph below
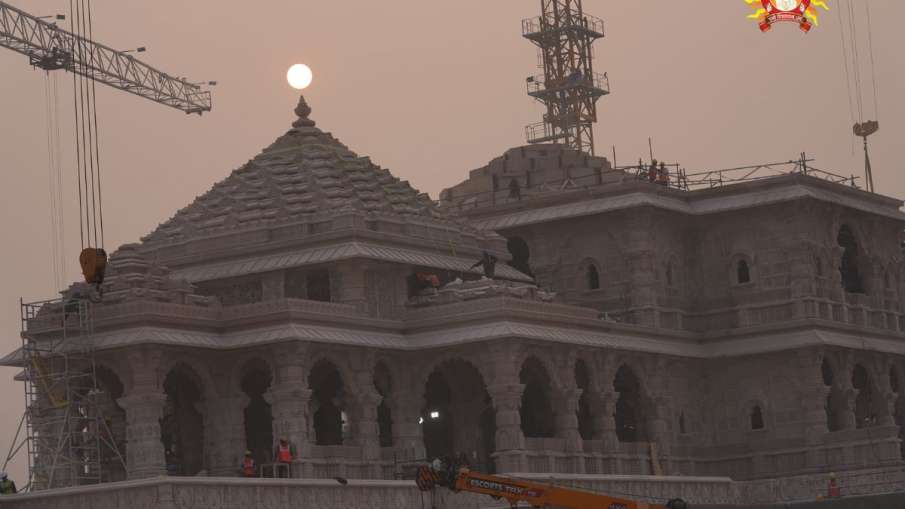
696, 203
506, 326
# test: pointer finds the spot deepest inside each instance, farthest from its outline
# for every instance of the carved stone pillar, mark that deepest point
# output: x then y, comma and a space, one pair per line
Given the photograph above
354, 284
289, 396
144, 409
510, 442
605, 423
408, 439
566, 411
225, 433
367, 431
144, 450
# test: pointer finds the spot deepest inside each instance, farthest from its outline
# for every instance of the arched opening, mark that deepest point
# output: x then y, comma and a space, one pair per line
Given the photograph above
835, 402
585, 417
515, 191
113, 426
458, 416
521, 255
593, 277
383, 384
682, 428
669, 276
757, 418
182, 425
538, 419
742, 272
899, 409
258, 418
867, 412
848, 267
629, 414
328, 404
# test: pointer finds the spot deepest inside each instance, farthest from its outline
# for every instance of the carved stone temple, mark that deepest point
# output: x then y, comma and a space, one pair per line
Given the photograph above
737, 336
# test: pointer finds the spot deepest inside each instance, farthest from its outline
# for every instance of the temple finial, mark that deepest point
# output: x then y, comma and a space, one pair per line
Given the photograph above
302, 111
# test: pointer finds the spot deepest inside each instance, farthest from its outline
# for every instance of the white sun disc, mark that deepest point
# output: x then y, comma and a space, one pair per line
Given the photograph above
299, 76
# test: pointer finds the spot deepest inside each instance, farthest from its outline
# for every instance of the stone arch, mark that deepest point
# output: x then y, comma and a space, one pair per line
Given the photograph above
383, 384
869, 400
631, 406
537, 415
182, 425
584, 413
897, 385
111, 388
328, 403
835, 403
255, 379
458, 417
850, 260
521, 255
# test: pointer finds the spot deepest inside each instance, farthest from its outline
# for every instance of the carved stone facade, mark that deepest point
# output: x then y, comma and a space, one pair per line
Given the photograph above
707, 333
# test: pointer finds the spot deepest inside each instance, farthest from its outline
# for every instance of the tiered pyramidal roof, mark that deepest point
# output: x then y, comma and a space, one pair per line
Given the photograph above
303, 174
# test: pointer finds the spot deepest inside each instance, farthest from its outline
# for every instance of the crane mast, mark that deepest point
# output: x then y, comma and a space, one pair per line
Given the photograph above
50, 47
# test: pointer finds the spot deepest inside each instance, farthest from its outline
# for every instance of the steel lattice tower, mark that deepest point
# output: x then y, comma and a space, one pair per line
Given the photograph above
569, 87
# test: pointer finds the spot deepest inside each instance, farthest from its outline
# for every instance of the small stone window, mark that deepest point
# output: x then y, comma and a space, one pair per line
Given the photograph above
593, 277
669, 278
318, 285
682, 429
894, 380
742, 272
848, 266
757, 418
515, 191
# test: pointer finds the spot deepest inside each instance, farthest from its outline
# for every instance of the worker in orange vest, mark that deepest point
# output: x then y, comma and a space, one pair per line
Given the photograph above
283, 454
248, 465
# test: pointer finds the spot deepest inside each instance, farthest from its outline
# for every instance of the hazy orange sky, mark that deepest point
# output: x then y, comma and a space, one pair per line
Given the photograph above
430, 90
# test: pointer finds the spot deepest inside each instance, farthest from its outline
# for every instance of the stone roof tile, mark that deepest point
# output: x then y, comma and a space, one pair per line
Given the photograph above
303, 172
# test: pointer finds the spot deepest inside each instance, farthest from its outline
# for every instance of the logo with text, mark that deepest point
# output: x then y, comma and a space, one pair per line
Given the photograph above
802, 12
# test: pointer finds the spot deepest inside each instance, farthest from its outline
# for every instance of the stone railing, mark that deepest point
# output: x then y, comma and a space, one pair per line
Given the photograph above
244, 311
236, 493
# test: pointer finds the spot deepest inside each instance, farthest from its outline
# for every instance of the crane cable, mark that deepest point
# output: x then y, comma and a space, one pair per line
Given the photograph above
86, 127
851, 57
55, 179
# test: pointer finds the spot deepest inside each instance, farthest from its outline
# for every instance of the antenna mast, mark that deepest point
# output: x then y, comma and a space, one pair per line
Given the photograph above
569, 87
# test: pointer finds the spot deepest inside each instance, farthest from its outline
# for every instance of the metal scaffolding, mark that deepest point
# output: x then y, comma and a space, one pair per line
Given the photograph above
569, 87
67, 437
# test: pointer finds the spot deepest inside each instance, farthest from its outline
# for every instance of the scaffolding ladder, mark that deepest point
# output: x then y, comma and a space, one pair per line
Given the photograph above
66, 436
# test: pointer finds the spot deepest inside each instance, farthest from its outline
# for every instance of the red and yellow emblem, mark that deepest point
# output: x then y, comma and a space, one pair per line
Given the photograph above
803, 12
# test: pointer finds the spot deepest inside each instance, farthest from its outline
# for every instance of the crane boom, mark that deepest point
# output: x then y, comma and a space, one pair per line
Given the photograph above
516, 491
50, 47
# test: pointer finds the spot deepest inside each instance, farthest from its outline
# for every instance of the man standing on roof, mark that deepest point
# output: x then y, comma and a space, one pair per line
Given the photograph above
488, 262
7, 486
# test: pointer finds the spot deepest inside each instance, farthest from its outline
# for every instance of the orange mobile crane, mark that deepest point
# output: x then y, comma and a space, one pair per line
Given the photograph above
515, 491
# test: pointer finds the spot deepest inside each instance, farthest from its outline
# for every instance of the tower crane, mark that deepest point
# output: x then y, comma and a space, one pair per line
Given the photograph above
64, 427
51, 48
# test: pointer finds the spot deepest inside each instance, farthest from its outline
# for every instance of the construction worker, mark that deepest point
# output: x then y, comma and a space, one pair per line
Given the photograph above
7, 486
677, 503
652, 171
248, 468
283, 454
663, 175
488, 262
833, 488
